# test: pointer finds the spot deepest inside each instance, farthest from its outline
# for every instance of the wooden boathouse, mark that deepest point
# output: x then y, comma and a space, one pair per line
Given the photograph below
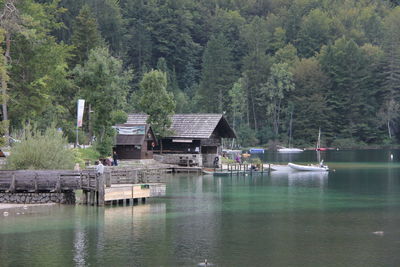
134, 141
196, 138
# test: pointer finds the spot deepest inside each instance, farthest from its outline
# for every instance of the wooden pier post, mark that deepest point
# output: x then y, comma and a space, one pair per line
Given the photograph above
108, 180
100, 190
84, 197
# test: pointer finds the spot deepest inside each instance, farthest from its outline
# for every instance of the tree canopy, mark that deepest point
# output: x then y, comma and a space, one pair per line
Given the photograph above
268, 65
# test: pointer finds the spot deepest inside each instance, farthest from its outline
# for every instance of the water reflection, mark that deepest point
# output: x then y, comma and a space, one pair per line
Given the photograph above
310, 179
302, 179
276, 219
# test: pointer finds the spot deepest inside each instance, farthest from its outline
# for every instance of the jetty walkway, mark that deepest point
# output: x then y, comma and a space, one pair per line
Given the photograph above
44, 186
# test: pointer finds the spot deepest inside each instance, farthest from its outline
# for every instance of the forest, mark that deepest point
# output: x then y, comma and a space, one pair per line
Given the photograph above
275, 68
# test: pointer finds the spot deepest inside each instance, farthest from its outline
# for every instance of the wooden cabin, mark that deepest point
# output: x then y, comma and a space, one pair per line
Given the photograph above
192, 134
134, 141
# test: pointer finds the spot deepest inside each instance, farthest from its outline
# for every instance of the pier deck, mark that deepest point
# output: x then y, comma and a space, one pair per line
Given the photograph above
114, 184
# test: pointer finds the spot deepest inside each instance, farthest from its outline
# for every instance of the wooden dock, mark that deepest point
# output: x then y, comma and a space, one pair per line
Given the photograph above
113, 185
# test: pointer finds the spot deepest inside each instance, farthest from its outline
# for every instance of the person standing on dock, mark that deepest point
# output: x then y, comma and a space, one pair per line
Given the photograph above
115, 158
238, 159
99, 167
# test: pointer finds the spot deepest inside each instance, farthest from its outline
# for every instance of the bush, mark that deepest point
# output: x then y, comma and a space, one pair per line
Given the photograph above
41, 151
82, 154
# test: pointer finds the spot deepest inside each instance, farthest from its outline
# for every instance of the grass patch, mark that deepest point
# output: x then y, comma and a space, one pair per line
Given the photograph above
84, 154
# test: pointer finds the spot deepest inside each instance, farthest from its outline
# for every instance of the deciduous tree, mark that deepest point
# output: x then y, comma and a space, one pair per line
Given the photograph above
157, 102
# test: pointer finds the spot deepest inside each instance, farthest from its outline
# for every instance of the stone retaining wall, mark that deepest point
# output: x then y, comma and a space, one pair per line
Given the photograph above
176, 158
34, 198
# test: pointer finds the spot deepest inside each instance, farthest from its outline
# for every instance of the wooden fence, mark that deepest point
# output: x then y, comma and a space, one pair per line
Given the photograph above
64, 180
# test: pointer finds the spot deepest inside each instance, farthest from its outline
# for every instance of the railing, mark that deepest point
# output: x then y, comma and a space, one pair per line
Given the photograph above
40, 181
62, 180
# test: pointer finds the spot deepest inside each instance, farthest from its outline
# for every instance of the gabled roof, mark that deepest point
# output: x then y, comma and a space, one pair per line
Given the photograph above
201, 126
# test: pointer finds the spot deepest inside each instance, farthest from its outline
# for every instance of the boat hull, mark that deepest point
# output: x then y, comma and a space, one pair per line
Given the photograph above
298, 167
290, 150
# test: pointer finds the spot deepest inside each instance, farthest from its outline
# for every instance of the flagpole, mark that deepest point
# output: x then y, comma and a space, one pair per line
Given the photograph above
79, 117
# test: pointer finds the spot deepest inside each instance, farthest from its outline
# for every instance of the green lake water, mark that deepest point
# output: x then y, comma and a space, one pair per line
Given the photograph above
277, 219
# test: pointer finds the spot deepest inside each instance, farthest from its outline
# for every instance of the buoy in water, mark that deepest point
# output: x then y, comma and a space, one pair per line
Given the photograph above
380, 233
391, 156
205, 263
5, 213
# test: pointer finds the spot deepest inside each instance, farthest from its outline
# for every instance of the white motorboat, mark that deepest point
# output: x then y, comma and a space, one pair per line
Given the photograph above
279, 168
290, 150
319, 168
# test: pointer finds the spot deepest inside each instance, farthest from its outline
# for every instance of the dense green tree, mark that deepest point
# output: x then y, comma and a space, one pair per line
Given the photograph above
108, 17
171, 27
157, 102
350, 91
229, 23
310, 101
314, 33
391, 47
346, 65
10, 24
41, 65
137, 35
218, 75
279, 83
238, 102
104, 85
255, 65
85, 35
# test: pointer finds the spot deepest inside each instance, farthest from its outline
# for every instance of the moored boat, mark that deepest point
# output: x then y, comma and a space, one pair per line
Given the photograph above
217, 173
280, 168
299, 167
256, 151
290, 150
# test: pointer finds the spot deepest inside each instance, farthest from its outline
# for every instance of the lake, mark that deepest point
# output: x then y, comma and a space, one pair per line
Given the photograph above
347, 217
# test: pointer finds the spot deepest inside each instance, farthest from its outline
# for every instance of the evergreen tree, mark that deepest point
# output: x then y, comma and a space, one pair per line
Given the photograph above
391, 47
310, 101
314, 33
41, 66
137, 40
218, 75
85, 35
346, 65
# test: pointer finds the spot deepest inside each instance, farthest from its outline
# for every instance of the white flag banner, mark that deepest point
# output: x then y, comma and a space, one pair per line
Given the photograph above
81, 107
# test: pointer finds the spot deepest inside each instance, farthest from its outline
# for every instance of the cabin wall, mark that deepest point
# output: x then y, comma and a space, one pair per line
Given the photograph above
133, 152
168, 146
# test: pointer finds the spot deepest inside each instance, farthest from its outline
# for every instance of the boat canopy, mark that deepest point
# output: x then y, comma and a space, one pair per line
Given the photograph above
256, 151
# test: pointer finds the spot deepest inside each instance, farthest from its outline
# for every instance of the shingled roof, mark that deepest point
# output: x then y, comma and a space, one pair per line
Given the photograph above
200, 126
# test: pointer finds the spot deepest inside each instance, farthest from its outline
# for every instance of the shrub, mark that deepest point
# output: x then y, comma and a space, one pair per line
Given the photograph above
37, 150
83, 154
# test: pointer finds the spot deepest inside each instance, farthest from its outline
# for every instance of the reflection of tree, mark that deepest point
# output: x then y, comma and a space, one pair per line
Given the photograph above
388, 114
